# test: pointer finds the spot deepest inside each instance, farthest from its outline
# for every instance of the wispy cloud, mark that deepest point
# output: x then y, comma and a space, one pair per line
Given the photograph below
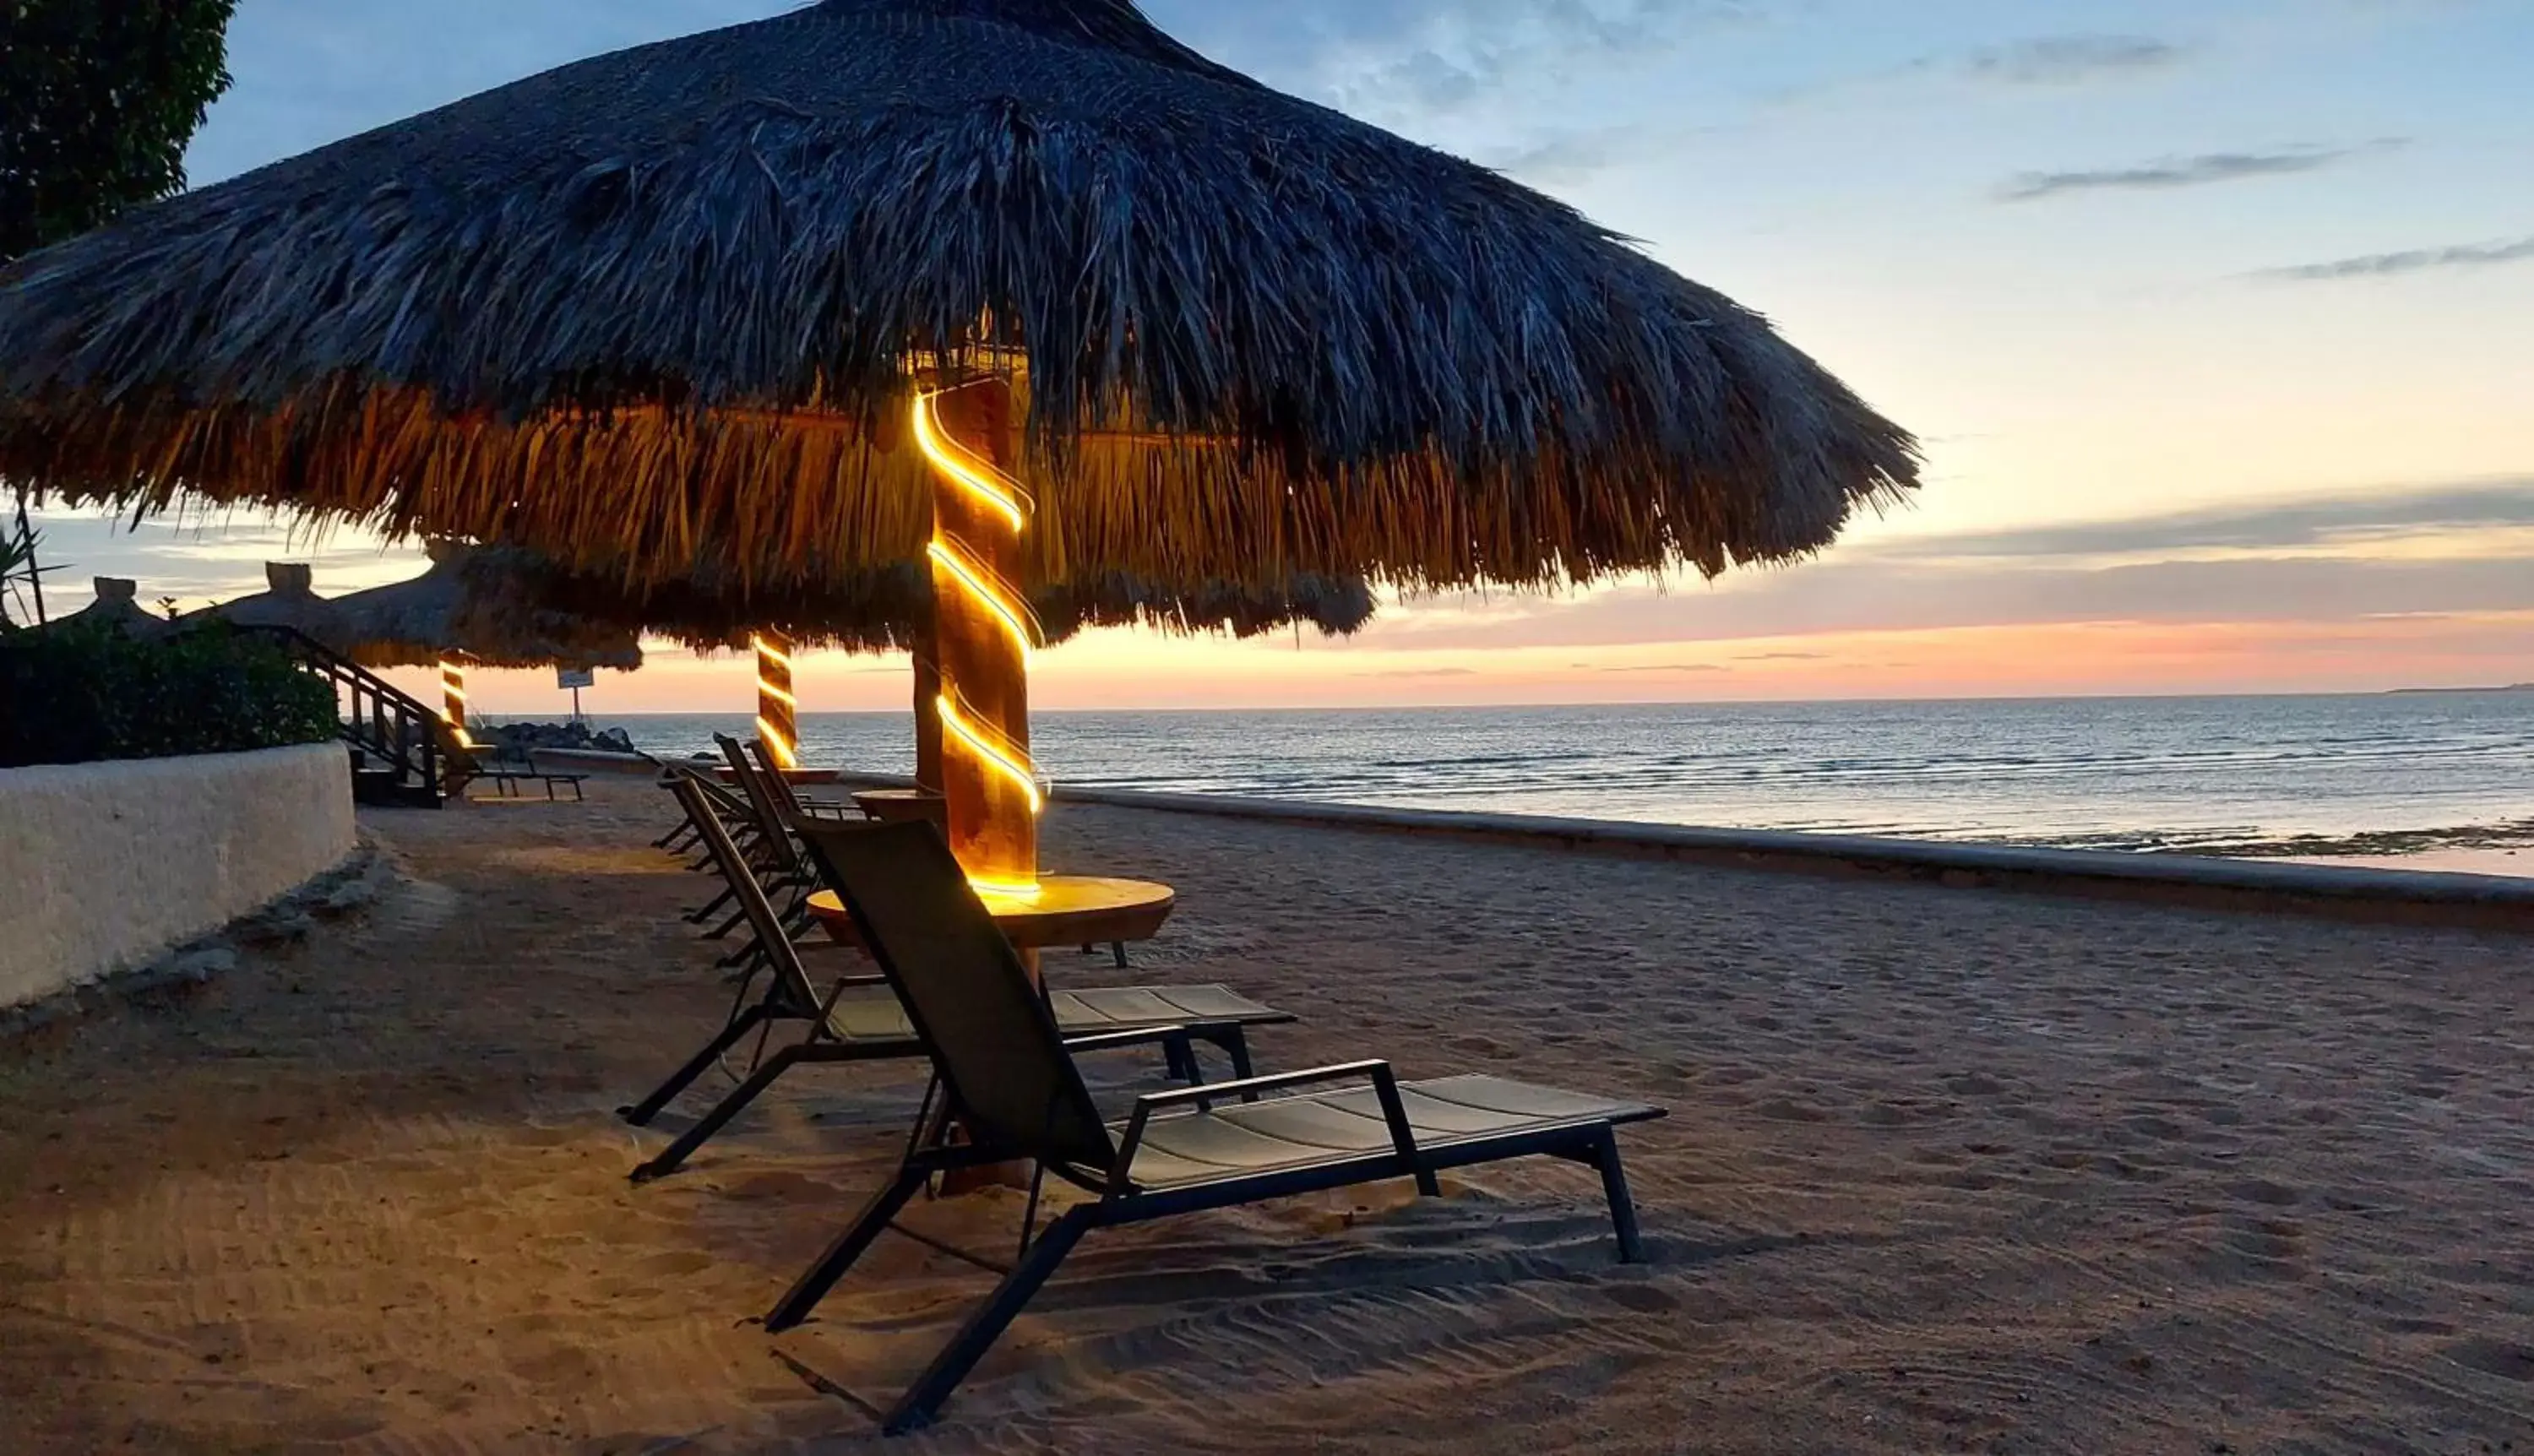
1418, 57
2036, 61
2411, 261
2314, 559
2261, 526
2187, 171
1782, 657
2063, 60
1668, 667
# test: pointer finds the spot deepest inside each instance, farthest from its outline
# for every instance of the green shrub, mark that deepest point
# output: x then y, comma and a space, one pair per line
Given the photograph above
77, 696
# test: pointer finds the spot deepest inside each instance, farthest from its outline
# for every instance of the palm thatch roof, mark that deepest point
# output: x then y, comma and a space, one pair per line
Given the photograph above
289, 599
457, 610
116, 609
889, 608
666, 303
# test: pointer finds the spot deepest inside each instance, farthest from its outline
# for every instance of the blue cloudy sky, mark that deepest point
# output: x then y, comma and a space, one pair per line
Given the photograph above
2215, 318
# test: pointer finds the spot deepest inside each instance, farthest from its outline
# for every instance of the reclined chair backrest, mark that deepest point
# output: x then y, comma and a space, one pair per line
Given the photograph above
710, 791
787, 800
761, 917
964, 987
771, 821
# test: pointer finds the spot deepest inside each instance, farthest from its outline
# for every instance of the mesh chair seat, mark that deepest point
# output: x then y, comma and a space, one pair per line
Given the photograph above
876, 1014
1289, 1132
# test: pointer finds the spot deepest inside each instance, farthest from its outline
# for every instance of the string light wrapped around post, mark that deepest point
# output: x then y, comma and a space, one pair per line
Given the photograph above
453, 700
778, 712
983, 635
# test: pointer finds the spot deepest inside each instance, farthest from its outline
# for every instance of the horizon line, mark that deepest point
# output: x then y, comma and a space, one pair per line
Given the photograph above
2492, 688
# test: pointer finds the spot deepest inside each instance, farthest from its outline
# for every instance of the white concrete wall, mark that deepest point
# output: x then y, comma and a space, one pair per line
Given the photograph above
104, 866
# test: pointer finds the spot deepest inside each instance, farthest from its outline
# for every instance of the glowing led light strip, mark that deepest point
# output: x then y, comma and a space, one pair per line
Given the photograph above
767, 651
1001, 758
453, 701
1015, 614
777, 741
773, 738
1007, 498
977, 477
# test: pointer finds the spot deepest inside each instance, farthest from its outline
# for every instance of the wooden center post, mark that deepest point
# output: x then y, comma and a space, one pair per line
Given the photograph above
981, 650
778, 712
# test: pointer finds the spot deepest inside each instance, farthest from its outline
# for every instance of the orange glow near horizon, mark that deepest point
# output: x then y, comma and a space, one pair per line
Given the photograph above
1128, 669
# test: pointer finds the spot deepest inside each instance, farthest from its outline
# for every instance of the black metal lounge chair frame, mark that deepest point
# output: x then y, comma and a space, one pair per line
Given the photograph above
729, 809
797, 802
466, 766
506, 779
768, 804
1072, 1141
791, 995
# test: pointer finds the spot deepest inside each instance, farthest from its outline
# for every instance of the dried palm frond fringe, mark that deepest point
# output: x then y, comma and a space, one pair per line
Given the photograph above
664, 307
889, 608
458, 609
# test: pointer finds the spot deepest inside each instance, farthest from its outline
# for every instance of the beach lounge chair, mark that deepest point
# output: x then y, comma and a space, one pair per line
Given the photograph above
786, 875
681, 835
802, 804
466, 766
709, 799
1007, 1077
764, 835
858, 1018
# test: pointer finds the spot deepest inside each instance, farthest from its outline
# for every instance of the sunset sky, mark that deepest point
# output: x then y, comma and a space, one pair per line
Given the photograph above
2217, 319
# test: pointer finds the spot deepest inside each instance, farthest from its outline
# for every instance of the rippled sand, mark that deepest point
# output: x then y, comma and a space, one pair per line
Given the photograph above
1945, 1171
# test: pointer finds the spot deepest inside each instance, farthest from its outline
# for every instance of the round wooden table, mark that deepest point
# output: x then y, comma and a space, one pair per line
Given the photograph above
896, 805
1067, 910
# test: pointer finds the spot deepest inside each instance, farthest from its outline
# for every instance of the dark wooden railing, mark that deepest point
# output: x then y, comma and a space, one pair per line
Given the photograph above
403, 747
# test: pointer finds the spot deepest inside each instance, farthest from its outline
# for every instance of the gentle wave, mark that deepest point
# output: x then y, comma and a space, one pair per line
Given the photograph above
2306, 776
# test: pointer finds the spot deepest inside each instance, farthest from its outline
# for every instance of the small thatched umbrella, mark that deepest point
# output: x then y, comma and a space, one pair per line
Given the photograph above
289, 599
891, 609
117, 608
671, 303
454, 617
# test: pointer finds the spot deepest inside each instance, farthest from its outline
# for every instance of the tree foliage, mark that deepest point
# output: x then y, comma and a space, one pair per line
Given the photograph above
97, 100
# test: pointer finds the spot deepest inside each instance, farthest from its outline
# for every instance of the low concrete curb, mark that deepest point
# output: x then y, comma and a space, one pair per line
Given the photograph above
2404, 896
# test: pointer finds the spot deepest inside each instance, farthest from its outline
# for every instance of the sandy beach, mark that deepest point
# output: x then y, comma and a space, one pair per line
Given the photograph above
1945, 1171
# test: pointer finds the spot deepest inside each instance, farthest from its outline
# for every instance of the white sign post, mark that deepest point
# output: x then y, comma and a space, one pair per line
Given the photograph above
576, 678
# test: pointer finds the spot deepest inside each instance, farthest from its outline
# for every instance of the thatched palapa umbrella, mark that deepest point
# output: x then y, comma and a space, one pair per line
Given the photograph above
691, 299
289, 599
117, 608
455, 615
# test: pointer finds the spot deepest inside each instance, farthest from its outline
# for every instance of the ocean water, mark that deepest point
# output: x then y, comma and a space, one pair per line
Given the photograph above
2308, 775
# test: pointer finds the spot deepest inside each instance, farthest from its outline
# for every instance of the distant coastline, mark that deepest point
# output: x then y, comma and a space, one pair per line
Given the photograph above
2510, 688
